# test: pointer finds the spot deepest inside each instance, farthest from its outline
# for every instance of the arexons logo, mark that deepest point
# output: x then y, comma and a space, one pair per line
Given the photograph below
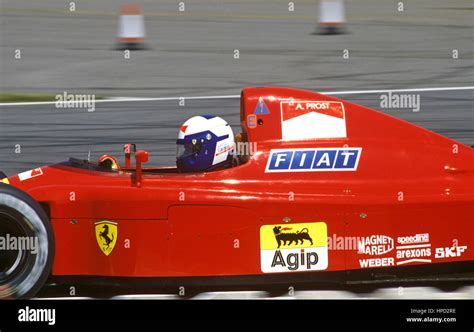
293, 247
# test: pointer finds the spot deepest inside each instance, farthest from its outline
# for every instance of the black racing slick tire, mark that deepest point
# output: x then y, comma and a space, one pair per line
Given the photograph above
26, 244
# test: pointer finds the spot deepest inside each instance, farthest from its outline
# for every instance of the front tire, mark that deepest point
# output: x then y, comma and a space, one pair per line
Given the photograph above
26, 244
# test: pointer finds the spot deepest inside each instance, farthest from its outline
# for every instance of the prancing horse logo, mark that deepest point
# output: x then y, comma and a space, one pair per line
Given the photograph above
106, 235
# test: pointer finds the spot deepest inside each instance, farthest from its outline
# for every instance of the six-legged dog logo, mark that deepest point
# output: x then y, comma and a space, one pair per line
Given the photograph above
290, 237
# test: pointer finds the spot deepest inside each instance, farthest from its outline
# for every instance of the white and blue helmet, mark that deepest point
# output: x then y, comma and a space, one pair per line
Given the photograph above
205, 142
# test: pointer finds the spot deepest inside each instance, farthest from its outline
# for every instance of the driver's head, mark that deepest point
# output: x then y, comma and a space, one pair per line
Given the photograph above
204, 142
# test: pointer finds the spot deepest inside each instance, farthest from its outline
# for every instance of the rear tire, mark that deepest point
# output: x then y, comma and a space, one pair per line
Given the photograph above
26, 244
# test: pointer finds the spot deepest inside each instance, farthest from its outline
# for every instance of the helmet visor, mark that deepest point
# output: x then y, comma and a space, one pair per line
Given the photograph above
184, 150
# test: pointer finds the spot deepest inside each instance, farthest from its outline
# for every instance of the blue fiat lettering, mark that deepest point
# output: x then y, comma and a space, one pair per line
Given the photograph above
324, 159
302, 159
280, 160
346, 158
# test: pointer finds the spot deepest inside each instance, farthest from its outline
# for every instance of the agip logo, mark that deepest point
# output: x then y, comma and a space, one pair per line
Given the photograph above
293, 247
106, 235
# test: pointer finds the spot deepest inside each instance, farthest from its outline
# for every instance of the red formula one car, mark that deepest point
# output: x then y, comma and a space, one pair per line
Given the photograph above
326, 191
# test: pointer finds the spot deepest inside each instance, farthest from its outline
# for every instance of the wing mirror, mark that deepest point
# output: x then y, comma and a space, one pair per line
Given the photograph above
140, 157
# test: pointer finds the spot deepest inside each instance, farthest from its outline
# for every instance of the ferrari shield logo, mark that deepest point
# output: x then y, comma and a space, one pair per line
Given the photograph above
106, 235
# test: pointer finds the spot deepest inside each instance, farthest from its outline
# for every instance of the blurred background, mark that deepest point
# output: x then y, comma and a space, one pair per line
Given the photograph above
192, 52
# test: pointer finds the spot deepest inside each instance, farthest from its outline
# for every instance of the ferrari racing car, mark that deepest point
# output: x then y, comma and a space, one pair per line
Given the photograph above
314, 189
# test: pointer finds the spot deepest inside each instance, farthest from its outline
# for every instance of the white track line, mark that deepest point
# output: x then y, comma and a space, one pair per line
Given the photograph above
115, 100
406, 292
329, 93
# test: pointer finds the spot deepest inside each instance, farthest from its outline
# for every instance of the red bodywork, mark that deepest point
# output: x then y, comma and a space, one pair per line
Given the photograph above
412, 190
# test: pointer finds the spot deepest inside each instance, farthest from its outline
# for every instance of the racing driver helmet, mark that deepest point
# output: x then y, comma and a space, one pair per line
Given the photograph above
205, 142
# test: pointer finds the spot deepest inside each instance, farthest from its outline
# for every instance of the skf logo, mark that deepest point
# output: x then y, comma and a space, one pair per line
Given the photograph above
293, 247
313, 160
106, 235
447, 252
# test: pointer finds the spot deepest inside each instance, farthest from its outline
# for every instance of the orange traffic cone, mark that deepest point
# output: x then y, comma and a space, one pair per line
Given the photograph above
332, 17
131, 28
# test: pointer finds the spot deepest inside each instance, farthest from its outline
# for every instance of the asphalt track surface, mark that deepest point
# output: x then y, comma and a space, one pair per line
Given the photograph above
44, 134
192, 52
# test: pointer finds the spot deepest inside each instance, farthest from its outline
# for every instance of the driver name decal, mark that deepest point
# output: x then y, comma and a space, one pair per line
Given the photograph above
303, 120
293, 247
30, 174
